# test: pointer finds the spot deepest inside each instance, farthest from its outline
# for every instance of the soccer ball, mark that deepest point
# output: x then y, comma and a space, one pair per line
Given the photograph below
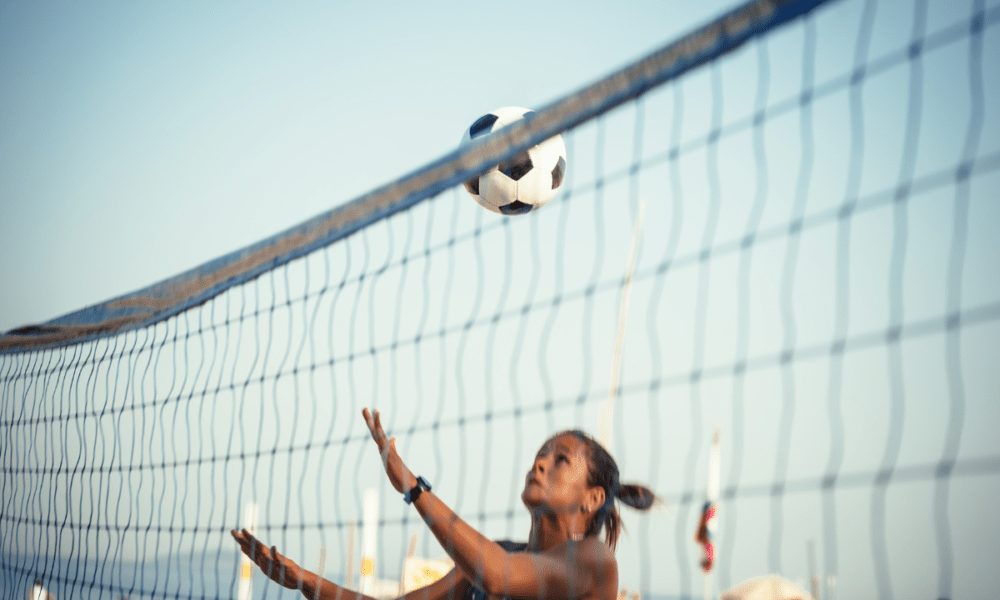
525, 183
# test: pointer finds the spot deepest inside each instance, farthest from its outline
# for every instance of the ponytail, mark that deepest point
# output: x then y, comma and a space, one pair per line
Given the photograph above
637, 496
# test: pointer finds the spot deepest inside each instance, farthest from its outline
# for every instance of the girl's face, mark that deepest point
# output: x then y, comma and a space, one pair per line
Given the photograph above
558, 478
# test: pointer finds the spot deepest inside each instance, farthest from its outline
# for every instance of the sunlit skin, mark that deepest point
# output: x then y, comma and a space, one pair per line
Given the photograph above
561, 562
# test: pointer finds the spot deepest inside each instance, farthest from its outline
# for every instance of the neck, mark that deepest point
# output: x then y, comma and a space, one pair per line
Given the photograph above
550, 529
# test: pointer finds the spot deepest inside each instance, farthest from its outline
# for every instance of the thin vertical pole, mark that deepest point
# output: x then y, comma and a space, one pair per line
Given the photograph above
246, 565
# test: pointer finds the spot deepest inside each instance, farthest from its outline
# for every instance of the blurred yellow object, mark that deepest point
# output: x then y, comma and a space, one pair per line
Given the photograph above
418, 572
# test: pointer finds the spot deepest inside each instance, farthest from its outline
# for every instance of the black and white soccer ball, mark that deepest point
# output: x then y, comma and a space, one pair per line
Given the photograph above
525, 183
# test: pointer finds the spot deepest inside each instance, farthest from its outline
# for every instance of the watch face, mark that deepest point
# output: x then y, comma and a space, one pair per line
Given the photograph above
414, 493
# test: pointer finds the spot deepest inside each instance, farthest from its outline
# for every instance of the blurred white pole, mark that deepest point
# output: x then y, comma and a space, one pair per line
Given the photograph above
714, 458
409, 554
370, 524
813, 578
352, 529
246, 565
321, 563
606, 413
321, 567
39, 593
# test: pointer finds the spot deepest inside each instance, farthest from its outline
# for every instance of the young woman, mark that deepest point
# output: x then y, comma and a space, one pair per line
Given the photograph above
570, 491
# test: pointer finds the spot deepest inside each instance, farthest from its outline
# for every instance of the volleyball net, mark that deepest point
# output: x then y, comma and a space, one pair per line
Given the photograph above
814, 273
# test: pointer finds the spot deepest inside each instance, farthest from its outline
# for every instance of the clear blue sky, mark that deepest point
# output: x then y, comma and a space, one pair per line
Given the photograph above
140, 140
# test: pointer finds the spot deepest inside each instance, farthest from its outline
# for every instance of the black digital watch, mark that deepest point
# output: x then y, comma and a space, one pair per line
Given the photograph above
410, 496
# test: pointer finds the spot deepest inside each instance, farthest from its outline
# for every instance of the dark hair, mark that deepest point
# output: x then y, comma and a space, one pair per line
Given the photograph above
603, 472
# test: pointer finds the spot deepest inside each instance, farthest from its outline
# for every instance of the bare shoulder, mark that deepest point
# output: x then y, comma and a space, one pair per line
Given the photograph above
599, 567
590, 553
597, 554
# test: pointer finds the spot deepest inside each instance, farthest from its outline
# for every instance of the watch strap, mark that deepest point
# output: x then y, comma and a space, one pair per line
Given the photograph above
410, 496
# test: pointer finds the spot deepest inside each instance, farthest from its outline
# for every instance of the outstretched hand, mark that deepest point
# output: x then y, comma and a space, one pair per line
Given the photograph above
281, 569
399, 475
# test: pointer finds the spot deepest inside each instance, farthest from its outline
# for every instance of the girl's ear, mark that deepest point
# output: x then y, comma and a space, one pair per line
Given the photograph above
596, 498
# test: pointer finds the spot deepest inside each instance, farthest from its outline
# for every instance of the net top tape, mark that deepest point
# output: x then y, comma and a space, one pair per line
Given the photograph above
196, 286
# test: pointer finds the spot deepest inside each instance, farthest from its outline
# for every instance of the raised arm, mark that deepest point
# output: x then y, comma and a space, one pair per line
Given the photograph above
571, 570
